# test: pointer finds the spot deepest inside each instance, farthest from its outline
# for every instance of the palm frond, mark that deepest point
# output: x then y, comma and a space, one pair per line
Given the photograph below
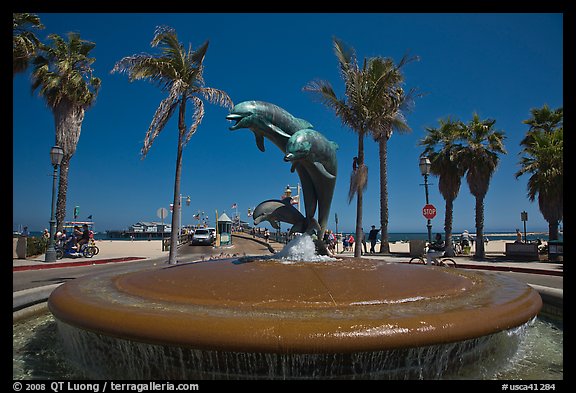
197, 119
161, 117
358, 181
216, 96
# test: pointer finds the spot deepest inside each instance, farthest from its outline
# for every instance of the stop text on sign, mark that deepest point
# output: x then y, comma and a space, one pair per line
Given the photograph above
429, 211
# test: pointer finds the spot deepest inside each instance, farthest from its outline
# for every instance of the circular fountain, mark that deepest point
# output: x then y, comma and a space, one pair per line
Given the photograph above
313, 317
277, 318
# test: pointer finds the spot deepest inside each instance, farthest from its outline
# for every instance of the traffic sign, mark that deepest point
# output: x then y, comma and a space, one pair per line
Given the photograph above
162, 213
429, 211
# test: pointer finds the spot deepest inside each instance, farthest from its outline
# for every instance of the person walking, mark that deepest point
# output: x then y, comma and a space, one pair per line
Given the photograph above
362, 242
518, 236
373, 238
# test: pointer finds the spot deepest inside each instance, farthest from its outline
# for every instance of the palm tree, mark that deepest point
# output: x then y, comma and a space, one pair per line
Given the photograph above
361, 109
543, 149
63, 74
442, 147
179, 72
24, 42
543, 120
480, 158
394, 100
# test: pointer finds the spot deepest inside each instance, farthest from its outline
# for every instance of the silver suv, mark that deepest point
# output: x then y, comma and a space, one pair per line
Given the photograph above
202, 236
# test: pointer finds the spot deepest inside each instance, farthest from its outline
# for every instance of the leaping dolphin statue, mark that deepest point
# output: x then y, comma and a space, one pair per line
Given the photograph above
275, 211
310, 150
266, 120
270, 121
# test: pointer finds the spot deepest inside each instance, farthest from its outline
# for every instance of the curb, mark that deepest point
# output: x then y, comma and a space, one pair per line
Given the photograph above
52, 265
24, 302
512, 269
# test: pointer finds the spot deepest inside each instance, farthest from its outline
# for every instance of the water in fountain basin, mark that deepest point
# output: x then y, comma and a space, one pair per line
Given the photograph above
38, 354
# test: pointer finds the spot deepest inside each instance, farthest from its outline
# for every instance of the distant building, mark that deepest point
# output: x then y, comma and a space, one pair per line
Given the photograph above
150, 227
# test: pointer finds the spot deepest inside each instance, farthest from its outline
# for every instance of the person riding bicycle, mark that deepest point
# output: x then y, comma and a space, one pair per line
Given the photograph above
435, 249
85, 237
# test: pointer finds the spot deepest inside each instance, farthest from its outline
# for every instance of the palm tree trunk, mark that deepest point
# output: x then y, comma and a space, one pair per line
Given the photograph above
359, 199
383, 153
62, 191
480, 253
553, 230
448, 226
174, 234
68, 120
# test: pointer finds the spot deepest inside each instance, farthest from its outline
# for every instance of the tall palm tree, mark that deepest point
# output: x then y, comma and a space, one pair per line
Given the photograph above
543, 120
24, 42
361, 109
442, 146
394, 101
543, 149
480, 158
179, 72
63, 76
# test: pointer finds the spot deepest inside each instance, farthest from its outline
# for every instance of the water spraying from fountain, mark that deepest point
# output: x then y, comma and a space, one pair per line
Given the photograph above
300, 249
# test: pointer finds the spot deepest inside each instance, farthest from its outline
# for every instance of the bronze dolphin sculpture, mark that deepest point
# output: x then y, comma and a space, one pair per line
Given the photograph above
274, 211
266, 120
270, 121
310, 150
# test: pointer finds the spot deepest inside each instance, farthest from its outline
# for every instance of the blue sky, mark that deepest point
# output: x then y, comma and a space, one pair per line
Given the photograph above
498, 65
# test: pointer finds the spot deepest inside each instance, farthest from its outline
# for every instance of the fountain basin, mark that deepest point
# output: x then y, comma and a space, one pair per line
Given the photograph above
346, 306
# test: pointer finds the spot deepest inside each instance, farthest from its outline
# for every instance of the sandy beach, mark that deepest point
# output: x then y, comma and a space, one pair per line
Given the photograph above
137, 248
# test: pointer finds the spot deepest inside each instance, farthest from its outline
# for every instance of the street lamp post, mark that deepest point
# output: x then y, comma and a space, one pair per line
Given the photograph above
56, 155
288, 193
425, 166
180, 213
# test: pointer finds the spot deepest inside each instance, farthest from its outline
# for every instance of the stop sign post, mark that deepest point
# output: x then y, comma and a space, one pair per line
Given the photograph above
429, 211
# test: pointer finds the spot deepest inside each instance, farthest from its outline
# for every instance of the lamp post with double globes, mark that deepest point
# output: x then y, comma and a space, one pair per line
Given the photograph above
56, 155
425, 166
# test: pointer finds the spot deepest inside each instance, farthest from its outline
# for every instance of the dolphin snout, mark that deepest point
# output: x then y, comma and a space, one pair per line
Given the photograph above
289, 157
235, 117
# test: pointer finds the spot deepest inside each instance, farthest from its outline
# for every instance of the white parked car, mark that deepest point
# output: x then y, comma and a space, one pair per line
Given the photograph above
202, 236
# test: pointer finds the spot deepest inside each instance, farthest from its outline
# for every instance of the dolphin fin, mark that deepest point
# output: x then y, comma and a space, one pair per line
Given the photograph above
260, 142
323, 170
278, 130
303, 124
293, 167
274, 224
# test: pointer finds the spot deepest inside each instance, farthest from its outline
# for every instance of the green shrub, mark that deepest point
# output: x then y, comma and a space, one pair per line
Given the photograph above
36, 246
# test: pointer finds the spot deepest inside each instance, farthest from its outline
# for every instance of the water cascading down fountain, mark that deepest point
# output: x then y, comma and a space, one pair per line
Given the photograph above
299, 314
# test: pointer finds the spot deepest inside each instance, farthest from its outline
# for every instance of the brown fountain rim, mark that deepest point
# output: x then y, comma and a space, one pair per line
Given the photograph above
125, 306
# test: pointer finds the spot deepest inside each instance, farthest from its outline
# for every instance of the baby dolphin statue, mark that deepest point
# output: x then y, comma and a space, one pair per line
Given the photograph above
275, 211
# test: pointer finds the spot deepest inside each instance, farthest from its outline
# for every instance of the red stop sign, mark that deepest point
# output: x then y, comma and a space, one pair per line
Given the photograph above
429, 211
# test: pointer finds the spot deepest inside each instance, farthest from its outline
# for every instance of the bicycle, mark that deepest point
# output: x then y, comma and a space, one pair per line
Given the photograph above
67, 251
437, 261
93, 246
457, 246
